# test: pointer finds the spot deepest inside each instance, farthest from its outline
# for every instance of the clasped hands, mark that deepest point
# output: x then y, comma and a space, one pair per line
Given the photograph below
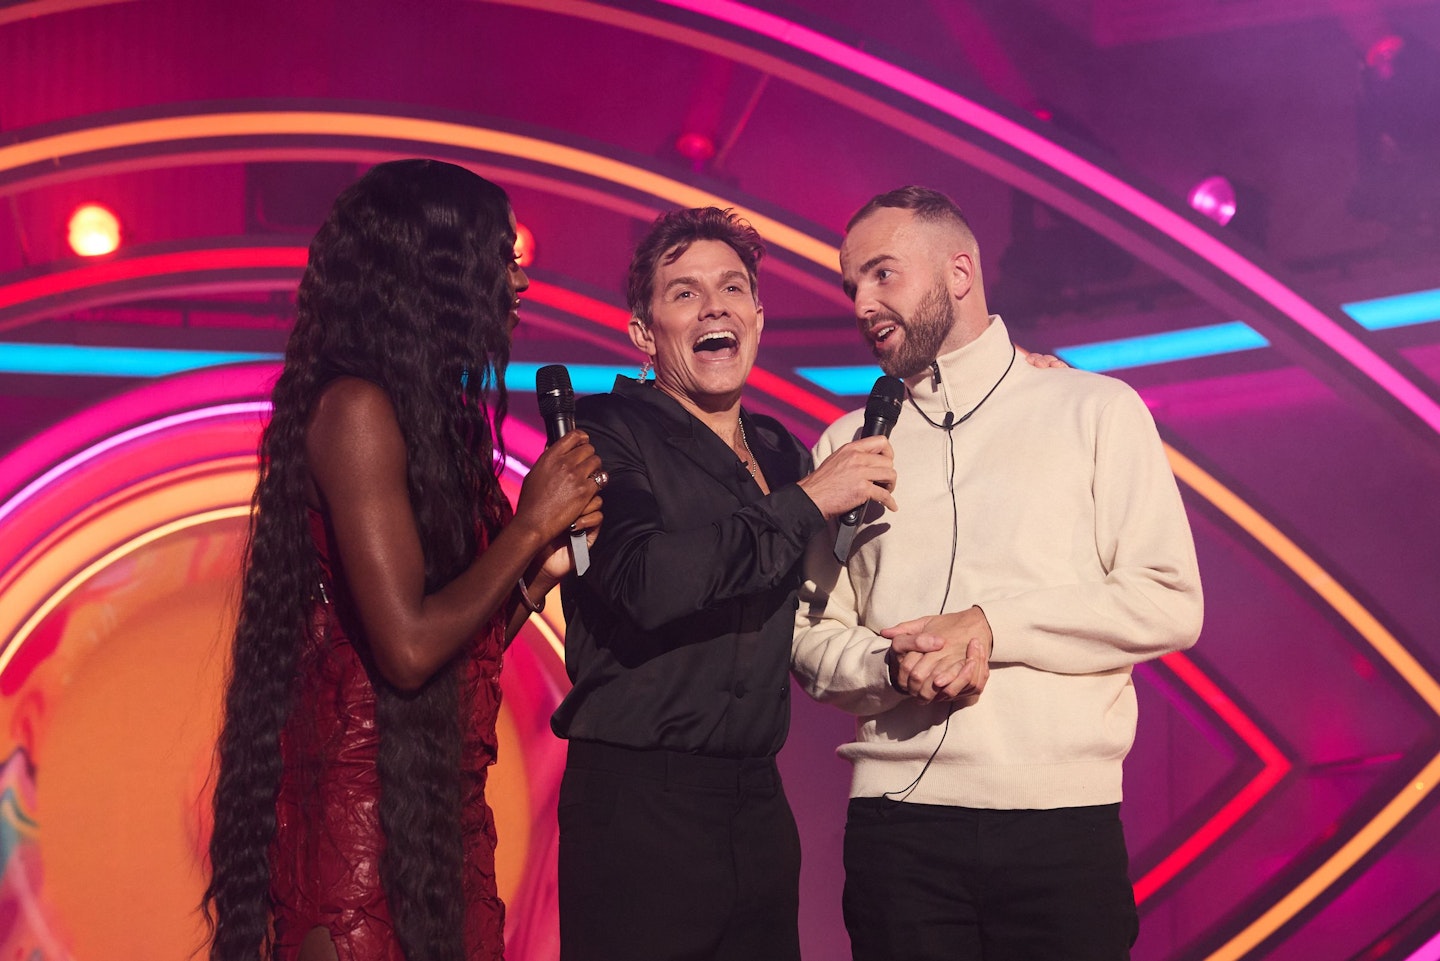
945, 657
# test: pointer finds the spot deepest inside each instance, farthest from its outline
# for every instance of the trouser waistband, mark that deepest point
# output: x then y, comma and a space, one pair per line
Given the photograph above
673, 767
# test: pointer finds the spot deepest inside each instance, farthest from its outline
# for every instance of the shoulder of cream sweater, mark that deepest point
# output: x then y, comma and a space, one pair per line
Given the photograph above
842, 432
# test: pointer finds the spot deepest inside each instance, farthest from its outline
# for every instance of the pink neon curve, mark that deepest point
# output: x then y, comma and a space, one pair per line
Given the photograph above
518, 435
529, 443
76, 461
1083, 172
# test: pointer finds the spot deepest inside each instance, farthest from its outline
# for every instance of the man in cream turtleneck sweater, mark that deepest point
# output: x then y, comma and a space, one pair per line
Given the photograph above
984, 633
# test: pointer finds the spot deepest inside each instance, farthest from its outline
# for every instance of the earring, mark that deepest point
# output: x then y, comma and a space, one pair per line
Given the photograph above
645, 368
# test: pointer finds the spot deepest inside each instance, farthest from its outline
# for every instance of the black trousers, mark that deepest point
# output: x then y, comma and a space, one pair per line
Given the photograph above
673, 856
929, 882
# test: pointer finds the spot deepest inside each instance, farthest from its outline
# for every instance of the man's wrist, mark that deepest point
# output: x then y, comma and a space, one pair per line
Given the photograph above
892, 668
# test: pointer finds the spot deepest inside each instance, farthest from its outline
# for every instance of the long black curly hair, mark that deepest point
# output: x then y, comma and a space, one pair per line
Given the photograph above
406, 287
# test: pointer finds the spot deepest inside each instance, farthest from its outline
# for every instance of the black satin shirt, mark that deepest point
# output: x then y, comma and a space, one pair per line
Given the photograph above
678, 637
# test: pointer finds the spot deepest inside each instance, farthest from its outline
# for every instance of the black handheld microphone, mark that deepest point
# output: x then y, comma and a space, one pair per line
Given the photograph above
881, 412
557, 408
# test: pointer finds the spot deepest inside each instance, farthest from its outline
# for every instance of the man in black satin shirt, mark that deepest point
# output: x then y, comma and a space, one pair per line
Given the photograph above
676, 840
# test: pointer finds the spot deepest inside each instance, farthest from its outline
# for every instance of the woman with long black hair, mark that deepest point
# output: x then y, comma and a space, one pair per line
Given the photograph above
384, 574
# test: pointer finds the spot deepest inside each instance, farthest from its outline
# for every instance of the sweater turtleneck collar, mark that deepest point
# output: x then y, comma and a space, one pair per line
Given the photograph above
966, 374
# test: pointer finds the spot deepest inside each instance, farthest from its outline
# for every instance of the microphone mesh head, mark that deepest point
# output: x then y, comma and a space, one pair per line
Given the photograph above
885, 399
553, 391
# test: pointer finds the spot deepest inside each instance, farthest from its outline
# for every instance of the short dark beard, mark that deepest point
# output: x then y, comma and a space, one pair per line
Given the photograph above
925, 332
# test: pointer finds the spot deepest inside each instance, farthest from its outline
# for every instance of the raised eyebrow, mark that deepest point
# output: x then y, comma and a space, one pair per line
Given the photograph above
679, 282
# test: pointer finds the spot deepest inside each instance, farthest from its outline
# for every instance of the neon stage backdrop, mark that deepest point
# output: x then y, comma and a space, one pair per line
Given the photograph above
1280, 798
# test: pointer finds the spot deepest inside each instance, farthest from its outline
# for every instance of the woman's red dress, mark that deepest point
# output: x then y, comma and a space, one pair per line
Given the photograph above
325, 860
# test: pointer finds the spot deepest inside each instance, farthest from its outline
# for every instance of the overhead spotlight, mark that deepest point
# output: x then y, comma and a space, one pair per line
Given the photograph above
1238, 207
695, 147
1215, 198
524, 245
1380, 58
93, 231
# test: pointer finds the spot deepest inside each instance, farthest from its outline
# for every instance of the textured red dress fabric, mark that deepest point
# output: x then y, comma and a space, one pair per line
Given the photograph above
325, 861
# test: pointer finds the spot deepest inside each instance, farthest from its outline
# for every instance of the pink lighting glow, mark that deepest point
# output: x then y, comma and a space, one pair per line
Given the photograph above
695, 147
1086, 174
1215, 198
1380, 58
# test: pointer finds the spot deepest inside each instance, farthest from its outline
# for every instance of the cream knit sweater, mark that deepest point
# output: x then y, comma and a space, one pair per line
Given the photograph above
1072, 539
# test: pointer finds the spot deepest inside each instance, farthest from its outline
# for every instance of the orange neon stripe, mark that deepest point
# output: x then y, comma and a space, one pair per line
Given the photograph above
330, 124
317, 124
48, 548
58, 596
1383, 642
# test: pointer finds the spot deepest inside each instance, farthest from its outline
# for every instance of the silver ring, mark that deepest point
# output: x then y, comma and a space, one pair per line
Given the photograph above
601, 478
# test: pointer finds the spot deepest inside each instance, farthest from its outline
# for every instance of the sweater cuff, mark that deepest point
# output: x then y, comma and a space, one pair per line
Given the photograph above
1006, 622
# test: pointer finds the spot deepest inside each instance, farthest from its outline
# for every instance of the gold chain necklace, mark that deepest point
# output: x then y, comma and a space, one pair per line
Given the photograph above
749, 454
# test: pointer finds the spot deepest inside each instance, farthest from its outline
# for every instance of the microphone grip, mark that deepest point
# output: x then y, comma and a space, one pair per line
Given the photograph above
557, 425
557, 408
881, 410
873, 428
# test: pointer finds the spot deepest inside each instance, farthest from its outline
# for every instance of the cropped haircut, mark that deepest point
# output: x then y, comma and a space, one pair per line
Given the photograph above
672, 234
928, 206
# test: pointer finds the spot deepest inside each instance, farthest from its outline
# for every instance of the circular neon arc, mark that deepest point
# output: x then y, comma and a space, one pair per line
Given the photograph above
409, 128
314, 124
79, 459
116, 554
1185, 470
123, 274
795, 36
1274, 765
1382, 641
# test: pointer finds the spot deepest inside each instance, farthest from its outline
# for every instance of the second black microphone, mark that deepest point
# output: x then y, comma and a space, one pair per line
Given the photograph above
557, 408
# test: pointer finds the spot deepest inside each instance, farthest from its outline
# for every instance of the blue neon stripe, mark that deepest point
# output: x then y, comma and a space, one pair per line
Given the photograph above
1163, 348
842, 381
1100, 356
1402, 310
584, 378
80, 361
1382, 313
74, 360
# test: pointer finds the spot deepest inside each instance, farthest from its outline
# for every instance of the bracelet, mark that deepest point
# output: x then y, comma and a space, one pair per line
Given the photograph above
525, 597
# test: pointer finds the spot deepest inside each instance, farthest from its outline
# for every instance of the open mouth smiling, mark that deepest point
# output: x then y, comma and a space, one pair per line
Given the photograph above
716, 341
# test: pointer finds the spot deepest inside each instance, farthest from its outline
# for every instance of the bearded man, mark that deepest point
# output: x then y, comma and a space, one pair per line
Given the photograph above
984, 635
